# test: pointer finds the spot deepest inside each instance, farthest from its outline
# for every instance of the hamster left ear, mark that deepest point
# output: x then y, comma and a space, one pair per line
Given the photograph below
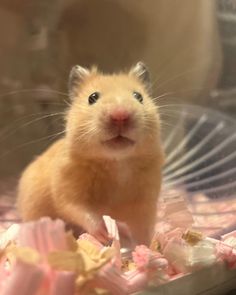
77, 75
141, 72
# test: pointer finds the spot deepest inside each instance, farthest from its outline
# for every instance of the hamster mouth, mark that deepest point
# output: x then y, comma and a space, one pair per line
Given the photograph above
119, 141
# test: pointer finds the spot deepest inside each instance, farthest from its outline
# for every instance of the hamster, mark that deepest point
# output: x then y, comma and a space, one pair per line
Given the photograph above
108, 163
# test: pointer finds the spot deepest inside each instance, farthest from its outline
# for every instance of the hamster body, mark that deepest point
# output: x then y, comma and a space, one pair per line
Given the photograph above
109, 161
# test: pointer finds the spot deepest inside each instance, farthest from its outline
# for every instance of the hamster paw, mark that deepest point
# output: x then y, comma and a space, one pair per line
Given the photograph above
124, 230
125, 235
99, 231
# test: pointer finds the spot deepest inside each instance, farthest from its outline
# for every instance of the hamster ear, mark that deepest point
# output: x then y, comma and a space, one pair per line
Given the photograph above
77, 75
141, 72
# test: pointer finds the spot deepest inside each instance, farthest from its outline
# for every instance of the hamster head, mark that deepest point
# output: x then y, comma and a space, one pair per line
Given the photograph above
111, 115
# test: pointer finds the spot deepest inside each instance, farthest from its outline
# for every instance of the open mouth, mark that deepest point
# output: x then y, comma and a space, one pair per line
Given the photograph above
119, 142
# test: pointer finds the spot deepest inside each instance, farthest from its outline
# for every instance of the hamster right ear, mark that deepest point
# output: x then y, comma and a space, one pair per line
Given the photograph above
142, 73
77, 75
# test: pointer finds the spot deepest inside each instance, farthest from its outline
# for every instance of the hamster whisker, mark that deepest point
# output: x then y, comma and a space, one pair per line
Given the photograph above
194, 69
180, 93
149, 124
52, 136
170, 105
69, 104
151, 105
169, 115
29, 90
165, 124
5, 129
87, 133
164, 95
177, 112
83, 108
174, 78
85, 126
168, 61
10, 133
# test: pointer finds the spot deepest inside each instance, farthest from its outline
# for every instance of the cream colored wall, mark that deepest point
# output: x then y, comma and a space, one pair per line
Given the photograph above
178, 39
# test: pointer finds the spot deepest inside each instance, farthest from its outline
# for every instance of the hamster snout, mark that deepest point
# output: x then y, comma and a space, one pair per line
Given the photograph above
118, 126
120, 117
120, 120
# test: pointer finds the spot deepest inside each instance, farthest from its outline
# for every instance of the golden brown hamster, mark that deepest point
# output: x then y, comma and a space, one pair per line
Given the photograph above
109, 161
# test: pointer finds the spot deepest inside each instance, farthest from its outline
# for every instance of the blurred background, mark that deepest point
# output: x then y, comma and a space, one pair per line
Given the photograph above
189, 47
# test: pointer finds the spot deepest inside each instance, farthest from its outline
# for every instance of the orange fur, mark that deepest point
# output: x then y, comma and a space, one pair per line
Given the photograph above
78, 179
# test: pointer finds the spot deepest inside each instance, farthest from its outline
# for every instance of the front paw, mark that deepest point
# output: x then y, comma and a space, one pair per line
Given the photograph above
126, 236
99, 231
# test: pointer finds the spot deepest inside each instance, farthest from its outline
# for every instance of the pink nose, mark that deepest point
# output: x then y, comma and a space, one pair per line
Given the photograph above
120, 117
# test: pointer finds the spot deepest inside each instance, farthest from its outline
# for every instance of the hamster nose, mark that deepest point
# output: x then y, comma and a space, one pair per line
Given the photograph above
120, 117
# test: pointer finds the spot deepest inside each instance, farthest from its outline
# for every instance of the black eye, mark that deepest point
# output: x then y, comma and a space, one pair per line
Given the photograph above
138, 96
93, 97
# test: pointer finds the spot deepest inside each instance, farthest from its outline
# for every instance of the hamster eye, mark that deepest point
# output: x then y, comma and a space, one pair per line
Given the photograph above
93, 97
138, 96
